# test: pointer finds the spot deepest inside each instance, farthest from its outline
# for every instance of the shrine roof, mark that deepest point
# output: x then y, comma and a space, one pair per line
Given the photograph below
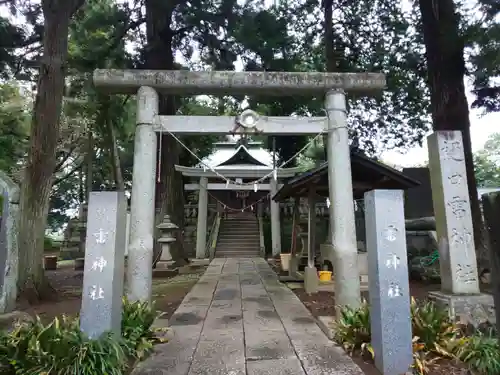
242, 157
367, 174
239, 156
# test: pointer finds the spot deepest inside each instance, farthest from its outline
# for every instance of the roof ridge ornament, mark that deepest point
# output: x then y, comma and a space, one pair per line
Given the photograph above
246, 123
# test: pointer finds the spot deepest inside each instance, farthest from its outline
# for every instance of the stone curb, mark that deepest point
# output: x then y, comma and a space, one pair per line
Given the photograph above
324, 323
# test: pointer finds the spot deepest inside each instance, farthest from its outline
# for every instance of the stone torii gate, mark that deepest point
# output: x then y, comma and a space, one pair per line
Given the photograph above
146, 83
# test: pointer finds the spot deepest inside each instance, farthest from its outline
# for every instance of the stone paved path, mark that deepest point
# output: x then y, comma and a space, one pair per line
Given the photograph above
238, 319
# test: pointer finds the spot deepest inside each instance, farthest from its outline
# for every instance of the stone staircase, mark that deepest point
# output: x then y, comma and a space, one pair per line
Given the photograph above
238, 236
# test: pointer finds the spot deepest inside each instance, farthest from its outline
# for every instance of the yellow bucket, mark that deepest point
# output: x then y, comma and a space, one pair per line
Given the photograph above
325, 275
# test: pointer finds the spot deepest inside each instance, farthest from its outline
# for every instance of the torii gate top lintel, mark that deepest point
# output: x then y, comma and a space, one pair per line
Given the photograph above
229, 82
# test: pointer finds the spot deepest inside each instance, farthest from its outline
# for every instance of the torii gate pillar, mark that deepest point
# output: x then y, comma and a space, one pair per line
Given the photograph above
142, 208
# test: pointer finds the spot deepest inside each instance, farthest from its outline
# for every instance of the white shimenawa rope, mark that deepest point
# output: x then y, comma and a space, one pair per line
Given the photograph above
234, 182
229, 181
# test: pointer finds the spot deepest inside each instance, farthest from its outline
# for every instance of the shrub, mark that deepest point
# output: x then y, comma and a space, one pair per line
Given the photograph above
432, 332
480, 352
61, 348
137, 332
433, 327
352, 329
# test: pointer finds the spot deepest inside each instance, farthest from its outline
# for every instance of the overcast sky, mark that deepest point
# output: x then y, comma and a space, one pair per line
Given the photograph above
481, 128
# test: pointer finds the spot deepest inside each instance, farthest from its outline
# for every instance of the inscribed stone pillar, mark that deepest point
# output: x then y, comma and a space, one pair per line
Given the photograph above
104, 264
347, 285
201, 228
388, 275
450, 196
9, 247
491, 210
142, 209
275, 220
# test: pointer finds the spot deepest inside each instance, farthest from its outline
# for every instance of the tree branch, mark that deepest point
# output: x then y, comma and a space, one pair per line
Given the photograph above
121, 34
68, 175
65, 159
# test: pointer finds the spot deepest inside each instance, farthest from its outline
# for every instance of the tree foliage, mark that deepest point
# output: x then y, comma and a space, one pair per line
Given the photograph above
487, 163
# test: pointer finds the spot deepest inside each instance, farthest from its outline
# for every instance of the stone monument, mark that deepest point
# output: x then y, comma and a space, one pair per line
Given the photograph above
9, 251
491, 210
389, 288
104, 264
455, 233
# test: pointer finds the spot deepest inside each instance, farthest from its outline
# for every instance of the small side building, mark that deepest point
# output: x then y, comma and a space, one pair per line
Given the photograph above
367, 174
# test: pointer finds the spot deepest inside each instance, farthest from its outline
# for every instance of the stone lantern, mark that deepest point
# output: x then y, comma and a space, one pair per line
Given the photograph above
167, 237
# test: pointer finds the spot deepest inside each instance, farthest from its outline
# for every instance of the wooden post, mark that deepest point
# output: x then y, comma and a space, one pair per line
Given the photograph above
491, 210
295, 224
311, 201
310, 272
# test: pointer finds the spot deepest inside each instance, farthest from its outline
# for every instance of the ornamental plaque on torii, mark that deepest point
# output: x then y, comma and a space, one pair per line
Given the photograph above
146, 84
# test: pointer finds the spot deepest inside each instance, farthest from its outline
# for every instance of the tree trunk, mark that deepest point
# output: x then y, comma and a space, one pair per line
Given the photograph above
41, 161
450, 110
89, 178
329, 53
115, 156
170, 189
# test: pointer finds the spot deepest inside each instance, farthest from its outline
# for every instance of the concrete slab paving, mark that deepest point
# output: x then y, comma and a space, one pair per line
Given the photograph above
240, 320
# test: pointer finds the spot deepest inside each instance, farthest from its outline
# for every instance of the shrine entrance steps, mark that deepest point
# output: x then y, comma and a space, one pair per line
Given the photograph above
240, 320
238, 236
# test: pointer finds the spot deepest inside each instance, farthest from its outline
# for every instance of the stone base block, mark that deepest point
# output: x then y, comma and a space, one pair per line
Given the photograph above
468, 309
311, 281
71, 253
79, 264
293, 267
326, 325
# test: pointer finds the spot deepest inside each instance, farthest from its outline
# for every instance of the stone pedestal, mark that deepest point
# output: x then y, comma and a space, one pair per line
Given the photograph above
311, 281
469, 309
